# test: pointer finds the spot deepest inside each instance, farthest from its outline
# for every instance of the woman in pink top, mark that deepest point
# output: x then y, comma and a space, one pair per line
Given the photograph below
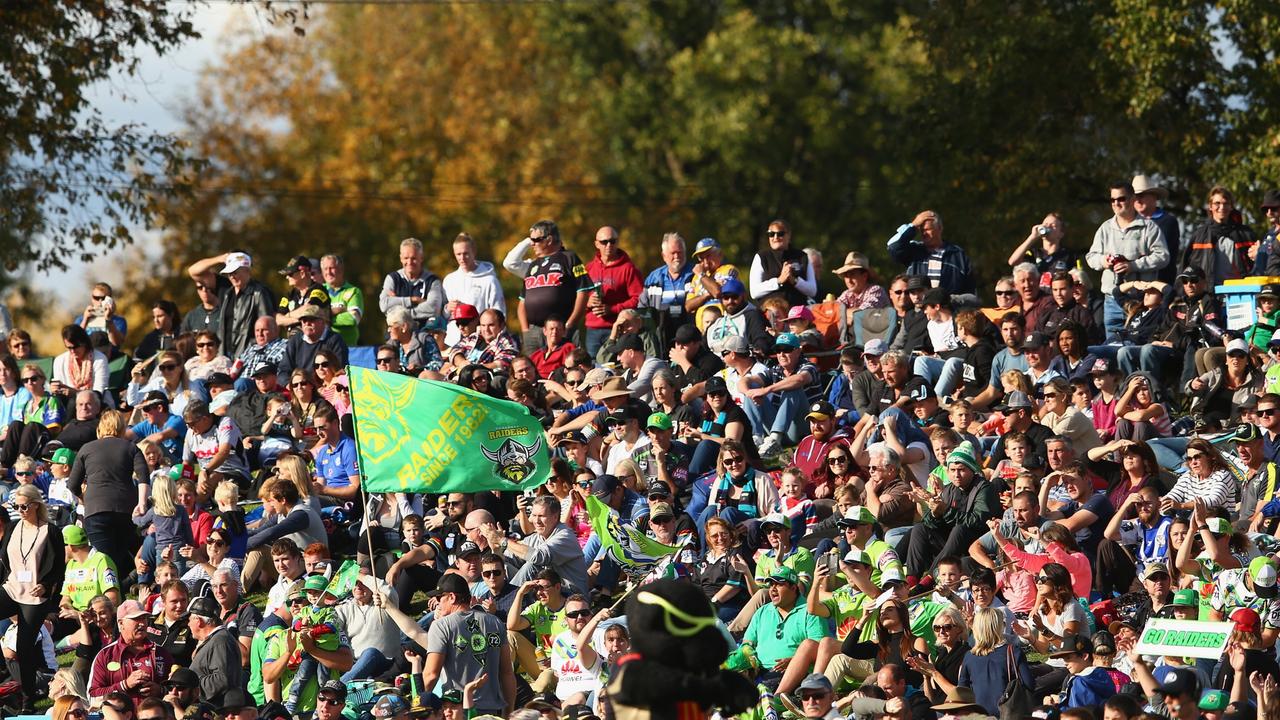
1060, 547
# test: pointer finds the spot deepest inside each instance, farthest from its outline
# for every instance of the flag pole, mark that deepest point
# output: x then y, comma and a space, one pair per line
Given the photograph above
364, 495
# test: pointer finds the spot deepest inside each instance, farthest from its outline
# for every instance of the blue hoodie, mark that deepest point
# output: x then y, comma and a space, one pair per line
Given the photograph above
1092, 687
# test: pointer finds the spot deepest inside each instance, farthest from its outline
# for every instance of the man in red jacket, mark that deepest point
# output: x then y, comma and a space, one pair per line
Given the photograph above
618, 285
132, 663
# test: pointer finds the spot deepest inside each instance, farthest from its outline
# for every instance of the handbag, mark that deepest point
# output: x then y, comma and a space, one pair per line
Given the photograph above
1016, 702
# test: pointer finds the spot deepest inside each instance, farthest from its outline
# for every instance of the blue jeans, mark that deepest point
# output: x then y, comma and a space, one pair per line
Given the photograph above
904, 424
609, 569
704, 458
370, 663
780, 414
944, 375
1112, 314
594, 338
1106, 351
1169, 451
894, 536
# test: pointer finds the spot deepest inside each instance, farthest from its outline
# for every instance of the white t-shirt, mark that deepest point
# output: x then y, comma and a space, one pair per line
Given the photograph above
10, 643
571, 677
731, 378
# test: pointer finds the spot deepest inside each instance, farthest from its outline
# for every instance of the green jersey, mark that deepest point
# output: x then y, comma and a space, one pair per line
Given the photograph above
545, 622
846, 606
798, 559
346, 321
89, 578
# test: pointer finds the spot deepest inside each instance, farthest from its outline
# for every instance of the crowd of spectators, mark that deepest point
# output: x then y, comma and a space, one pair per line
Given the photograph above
972, 498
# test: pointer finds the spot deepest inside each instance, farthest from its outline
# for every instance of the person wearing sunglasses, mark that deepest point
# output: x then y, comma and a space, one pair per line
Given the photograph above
32, 568
573, 660
617, 286
1064, 419
780, 268
302, 350
68, 707
1126, 246
783, 633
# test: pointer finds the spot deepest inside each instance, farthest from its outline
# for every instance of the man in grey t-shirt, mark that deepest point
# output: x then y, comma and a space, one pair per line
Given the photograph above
462, 644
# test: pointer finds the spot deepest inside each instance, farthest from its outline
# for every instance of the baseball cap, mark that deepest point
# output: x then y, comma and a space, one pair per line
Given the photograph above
1177, 681
315, 581
800, 312
821, 410
453, 697
297, 263
1017, 400
891, 574
1104, 643
735, 344
205, 607
1246, 433
1246, 619
221, 378
1263, 574
1072, 644
604, 485
732, 286
1185, 598
1125, 622
1191, 272
131, 610
782, 573
595, 376
661, 510
296, 590
659, 420
1271, 291
334, 687
875, 347
389, 705
154, 397
313, 312
686, 334
1218, 525
468, 548
266, 368
235, 700
1214, 700
705, 244
574, 436
917, 282
235, 261
452, 583
856, 556
657, 488
1237, 347
1153, 569
816, 682
1271, 199
630, 341
715, 384
464, 311
63, 456
274, 710
1101, 366
1035, 341
775, 520
577, 712
857, 515
183, 678
787, 340
74, 535
937, 296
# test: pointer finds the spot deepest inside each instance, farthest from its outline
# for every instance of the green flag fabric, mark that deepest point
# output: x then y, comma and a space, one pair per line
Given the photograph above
426, 436
344, 580
632, 549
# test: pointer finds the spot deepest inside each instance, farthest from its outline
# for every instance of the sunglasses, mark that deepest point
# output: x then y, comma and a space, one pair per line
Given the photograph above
1006, 292
578, 614
385, 360
491, 573
832, 460
322, 363
23, 473
1119, 200
607, 241
1197, 456
733, 460
328, 701
943, 628
22, 508
777, 233
1269, 412
206, 344
99, 298
543, 588
298, 601
1042, 579
812, 696
32, 379
216, 543
662, 521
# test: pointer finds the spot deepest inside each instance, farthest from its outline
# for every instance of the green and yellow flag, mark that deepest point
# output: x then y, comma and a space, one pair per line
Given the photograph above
631, 549
426, 436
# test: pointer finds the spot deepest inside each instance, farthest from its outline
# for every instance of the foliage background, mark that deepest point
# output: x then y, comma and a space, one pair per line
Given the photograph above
709, 117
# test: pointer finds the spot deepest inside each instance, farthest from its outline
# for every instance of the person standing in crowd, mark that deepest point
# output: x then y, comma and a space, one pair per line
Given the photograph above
919, 247
616, 286
666, 289
1221, 247
555, 283
302, 291
781, 268
1147, 196
1044, 245
1125, 248
241, 299
710, 271
346, 301
474, 283
111, 476
413, 286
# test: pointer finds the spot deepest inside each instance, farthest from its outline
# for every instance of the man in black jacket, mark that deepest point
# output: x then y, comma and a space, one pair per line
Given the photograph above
217, 657
301, 350
241, 299
913, 327
1192, 319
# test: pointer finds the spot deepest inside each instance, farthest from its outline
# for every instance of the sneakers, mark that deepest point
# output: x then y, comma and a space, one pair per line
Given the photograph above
790, 704
772, 445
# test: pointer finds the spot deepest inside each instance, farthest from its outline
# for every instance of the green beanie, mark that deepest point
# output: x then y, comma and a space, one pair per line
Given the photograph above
965, 455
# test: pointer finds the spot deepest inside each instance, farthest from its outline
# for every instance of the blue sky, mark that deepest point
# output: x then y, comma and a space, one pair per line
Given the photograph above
152, 97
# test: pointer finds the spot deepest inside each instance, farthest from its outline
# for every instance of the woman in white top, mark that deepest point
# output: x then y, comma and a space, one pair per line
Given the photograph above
169, 377
80, 367
208, 359
32, 566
